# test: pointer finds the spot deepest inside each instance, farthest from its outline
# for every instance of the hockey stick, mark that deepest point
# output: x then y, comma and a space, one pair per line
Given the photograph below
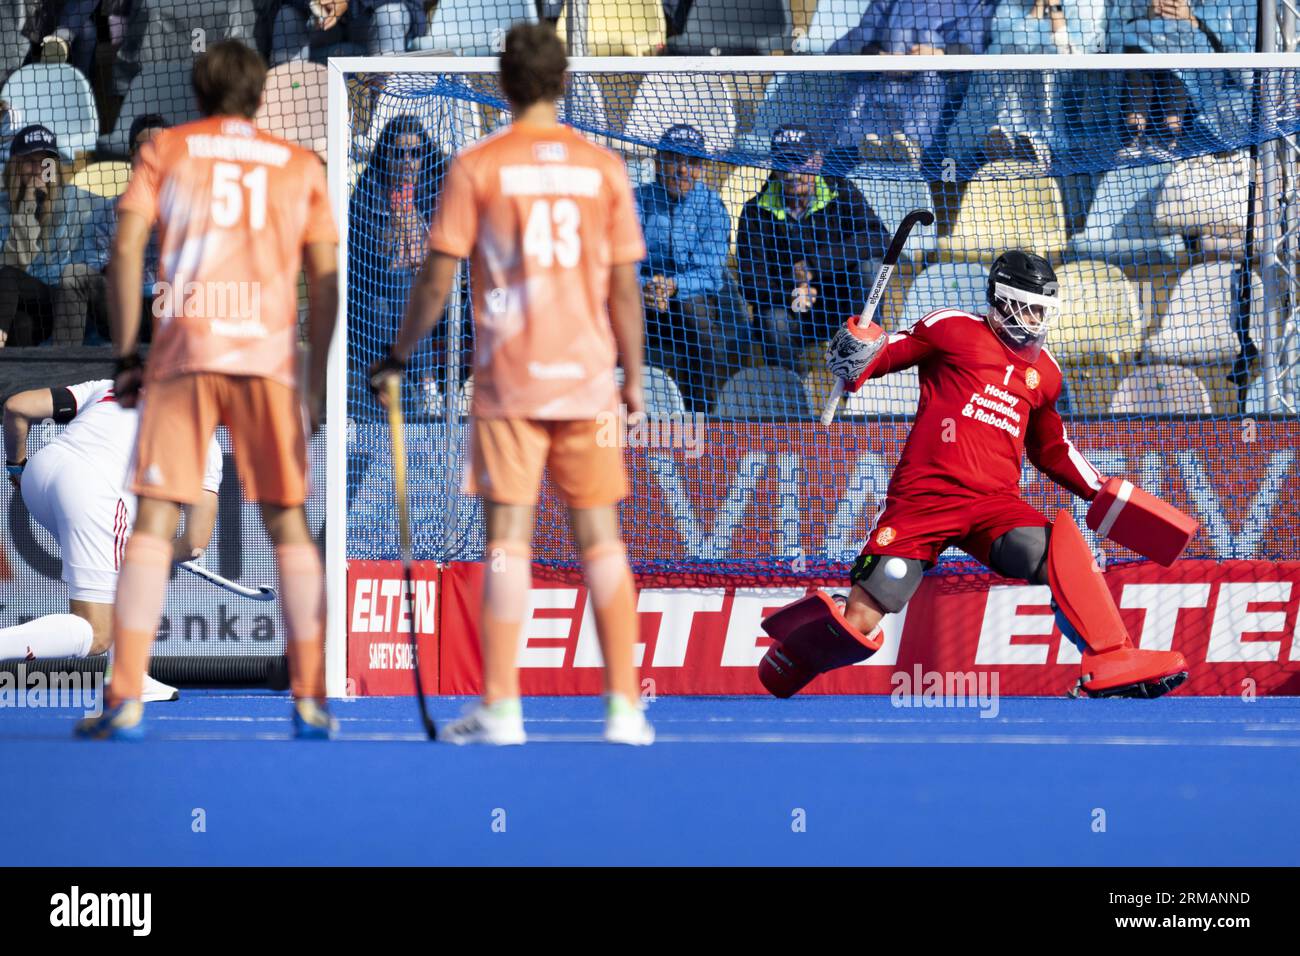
925, 218
259, 593
397, 434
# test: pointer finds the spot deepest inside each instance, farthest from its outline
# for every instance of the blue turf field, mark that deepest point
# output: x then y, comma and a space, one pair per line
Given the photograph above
1181, 781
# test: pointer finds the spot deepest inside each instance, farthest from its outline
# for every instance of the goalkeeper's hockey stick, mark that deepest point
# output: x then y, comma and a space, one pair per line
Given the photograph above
259, 593
397, 434
925, 218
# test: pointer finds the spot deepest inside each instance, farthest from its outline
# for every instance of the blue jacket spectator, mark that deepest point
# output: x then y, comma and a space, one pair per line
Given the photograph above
687, 232
46, 227
1033, 116
1221, 99
906, 113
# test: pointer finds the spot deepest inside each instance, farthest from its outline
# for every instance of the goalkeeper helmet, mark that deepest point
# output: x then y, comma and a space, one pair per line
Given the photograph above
1024, 296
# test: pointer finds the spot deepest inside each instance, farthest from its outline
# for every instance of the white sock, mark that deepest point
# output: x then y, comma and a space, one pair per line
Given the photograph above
55, 635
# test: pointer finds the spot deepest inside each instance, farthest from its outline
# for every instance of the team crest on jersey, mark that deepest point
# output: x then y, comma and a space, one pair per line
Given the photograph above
1032, 378
550, 152
885, 535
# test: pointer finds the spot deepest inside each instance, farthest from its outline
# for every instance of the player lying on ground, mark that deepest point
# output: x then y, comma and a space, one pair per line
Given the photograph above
75, 487
988, 396
239, 213
549, 221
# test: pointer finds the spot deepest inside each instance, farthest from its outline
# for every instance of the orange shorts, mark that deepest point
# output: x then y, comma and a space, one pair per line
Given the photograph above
265, 420
508, 454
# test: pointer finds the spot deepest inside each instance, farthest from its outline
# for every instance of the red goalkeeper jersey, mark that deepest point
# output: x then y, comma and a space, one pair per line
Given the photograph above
982, 408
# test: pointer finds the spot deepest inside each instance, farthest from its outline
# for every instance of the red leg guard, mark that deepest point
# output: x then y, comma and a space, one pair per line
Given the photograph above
1079, 590
812, 636
1112, 666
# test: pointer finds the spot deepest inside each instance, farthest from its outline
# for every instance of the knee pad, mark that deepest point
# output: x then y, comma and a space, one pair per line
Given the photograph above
1022, 553
890, 580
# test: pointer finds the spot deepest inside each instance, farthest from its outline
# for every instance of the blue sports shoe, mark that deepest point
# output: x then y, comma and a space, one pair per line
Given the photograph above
312, 720
123, 722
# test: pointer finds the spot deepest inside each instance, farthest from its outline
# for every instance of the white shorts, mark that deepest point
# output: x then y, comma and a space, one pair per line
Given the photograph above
89, 516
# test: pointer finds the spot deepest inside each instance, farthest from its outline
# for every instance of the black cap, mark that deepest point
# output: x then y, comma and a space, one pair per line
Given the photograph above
34, 140
682, 138
145, 121
793, 144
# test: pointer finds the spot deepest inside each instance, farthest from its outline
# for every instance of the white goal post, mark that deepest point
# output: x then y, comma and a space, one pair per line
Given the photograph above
1269, 230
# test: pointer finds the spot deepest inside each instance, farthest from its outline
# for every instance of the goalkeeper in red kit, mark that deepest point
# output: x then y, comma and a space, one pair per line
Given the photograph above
988, 396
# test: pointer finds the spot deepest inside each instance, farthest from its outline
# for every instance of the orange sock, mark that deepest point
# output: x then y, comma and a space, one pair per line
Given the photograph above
141, 587
302, 602
507, 578
613, 598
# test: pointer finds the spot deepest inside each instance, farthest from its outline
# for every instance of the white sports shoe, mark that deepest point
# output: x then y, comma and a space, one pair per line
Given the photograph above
501, 724
156, 690
625, 723
152, 690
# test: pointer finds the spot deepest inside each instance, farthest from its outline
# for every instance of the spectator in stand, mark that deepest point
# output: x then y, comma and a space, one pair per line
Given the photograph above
318, 29
145, 31
1155, 111
1221, 99
67, 33
1031, 116
800, 247
687, 233
388, 221
45, 226
81, 300
902, 115
15, 46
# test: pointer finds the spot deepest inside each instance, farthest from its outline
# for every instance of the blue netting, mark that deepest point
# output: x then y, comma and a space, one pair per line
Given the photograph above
1138, 185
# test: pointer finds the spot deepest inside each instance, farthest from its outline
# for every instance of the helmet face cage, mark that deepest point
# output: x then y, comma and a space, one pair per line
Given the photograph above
1022, 318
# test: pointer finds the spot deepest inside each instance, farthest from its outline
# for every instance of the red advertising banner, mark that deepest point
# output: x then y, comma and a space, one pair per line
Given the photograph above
1235, 623
379, 643
760, 497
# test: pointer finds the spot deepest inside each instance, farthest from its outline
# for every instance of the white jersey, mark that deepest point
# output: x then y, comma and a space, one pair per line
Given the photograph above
102, 434
77, 488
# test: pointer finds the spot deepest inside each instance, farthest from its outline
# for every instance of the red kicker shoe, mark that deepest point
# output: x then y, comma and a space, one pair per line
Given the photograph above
1131, 672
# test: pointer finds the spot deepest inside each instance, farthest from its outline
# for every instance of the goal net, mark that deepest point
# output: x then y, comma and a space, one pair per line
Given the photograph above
1162, 189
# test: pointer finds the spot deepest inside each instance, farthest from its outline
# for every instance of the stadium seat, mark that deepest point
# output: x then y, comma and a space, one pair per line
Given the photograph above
763, 393
700, 99
895, 394
831, 20
892, 194
786, 100
58, 97
1196, 328
1161, 390
294, 105
946, 285
740, 187
1284, 403
621, 27
473, 27
662, 397
1008, 205
734, 28
107, 179
162, 87
1100, 315
1120, 227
